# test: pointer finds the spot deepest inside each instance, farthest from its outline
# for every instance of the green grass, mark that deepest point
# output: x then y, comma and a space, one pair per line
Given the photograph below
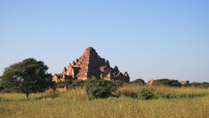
74, 104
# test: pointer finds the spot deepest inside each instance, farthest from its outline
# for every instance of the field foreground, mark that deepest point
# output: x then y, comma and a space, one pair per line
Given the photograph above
74, 104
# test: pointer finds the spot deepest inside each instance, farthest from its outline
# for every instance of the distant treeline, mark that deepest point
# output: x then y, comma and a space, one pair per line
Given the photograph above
140, 82
159, 82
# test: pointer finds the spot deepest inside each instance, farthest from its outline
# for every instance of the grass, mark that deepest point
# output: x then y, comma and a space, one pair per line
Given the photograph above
75, 104
164, 92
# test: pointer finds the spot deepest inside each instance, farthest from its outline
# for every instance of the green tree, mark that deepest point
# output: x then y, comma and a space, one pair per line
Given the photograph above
28, 76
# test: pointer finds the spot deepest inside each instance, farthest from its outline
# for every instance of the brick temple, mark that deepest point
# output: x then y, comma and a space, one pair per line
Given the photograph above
88, 65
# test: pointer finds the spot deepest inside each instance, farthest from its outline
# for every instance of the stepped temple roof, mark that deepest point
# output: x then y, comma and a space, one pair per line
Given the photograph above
88, 65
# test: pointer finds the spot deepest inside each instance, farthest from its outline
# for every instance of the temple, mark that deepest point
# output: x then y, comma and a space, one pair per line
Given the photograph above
88, 65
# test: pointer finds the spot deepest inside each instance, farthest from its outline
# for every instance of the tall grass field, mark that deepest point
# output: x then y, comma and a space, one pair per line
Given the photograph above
168, 103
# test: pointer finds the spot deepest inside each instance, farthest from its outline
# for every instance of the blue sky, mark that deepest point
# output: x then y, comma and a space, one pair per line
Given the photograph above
147, 38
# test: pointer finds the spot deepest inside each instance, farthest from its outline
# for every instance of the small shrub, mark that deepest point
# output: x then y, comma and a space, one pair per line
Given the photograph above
191, 95
51, 94
167, 82
100, 88
118, 83
200, 85
139, 81
166, 95
170, 96
77, 83
186, 85
1, 87
62, 84
134, 95
146, 94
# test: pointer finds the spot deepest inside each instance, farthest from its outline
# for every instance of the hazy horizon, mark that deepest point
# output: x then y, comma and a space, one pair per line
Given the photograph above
149, 40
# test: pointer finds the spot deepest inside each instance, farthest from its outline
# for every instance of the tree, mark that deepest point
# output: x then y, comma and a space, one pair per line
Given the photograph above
28, 76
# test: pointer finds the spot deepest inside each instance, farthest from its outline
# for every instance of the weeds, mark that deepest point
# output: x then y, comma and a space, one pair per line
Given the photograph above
171, 103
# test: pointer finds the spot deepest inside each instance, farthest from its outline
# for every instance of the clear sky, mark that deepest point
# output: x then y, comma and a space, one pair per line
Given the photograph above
149, 39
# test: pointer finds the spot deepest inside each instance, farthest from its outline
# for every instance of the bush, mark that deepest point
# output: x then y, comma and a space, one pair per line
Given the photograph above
62, 84
118, 83
200, 85
52, 94
77, 83
170, 95
146, 94
138, 82
134, 95
99, 88
71, 84
186, 85
1, 88
167, 82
